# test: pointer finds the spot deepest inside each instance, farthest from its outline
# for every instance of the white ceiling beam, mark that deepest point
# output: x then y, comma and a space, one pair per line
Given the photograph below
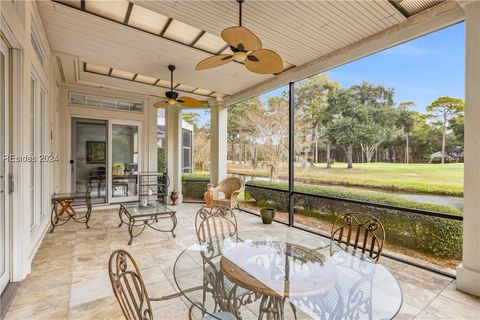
430, 20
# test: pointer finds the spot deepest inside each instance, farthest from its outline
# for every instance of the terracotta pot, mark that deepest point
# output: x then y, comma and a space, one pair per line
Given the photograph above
174, 197
208, 195
267, 214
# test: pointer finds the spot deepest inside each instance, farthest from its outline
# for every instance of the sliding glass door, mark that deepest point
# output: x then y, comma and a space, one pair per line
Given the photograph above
90, 158
105, 159
125, 161
4, 167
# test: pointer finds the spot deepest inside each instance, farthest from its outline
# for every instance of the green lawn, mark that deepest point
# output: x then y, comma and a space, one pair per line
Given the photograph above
446, 179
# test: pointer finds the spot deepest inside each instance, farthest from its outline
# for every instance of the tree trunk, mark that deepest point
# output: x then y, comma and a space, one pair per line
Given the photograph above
407, 155
328, 156
349, 156
444, 138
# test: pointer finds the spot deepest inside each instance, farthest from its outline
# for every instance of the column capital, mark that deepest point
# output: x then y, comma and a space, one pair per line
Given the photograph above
464, 4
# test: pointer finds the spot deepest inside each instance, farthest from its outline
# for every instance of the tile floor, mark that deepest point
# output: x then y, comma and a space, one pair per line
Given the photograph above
69, 277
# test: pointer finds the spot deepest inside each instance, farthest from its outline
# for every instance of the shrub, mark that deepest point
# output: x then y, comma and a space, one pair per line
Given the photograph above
194, 185
438, 236
161, 160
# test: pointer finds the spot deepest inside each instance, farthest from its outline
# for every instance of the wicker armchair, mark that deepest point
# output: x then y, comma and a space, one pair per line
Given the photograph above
226, 192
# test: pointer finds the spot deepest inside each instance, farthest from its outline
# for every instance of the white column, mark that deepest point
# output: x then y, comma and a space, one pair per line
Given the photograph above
218, 142
468, 273
174, 150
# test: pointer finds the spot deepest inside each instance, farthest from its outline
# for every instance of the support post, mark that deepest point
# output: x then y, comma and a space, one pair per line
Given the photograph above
468, 273
291, 153
174, 150
218, 142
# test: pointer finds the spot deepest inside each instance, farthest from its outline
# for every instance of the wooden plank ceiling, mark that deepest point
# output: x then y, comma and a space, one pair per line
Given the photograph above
300, 31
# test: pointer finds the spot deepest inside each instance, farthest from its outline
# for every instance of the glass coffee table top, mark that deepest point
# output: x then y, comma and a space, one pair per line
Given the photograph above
303, 275
136, 210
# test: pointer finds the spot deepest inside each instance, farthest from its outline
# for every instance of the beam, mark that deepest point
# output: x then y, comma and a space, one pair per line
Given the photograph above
435, 18
128, 14
399, 8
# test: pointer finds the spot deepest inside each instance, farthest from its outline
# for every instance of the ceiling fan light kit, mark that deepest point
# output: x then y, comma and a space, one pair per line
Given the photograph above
171, 97
247, 49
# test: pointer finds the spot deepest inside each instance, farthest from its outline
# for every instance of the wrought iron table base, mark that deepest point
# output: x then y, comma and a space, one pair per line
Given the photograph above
144, 221
67, 213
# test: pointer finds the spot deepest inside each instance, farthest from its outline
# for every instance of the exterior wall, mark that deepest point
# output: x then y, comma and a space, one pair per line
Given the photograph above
16, 30
147, 136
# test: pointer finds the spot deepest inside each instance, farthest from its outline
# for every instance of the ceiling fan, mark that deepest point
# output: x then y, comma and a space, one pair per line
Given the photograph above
172, 97
247, 49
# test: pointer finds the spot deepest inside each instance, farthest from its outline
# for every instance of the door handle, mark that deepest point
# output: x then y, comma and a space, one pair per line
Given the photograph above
11, 183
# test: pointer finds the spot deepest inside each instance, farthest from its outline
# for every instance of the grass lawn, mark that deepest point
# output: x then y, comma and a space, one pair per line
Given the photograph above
445, 179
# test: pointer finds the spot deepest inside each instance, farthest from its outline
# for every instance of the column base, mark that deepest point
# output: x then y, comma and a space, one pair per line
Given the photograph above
468, 280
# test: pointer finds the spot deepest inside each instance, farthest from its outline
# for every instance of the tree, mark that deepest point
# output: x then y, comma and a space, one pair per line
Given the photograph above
310, 114
376, 114
269, 123
241, 131
191, 117
444, 109
406, 122
344, 108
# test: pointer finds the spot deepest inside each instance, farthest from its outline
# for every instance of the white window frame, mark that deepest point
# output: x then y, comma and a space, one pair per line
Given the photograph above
36, 41
38, 146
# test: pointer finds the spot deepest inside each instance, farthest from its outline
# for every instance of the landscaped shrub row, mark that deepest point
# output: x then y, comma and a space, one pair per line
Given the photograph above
438, 236
194, 185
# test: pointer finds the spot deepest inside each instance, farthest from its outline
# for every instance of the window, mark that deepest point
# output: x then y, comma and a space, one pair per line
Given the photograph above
92, 101
187, 150
38, 146
38, 47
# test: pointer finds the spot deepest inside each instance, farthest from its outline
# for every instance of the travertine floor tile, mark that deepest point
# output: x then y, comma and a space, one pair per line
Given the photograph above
69, 278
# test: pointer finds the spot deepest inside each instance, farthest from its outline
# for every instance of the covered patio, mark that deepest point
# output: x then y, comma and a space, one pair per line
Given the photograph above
70, 276
86, 82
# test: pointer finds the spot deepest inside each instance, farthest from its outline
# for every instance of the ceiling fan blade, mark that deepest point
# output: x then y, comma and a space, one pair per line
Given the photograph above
161, 104
264, 61
215, 61
190, 102
241, 36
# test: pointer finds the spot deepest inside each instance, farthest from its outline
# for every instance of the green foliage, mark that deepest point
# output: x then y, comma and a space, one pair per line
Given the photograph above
194, 186
116, 165
195, 176
434, 235
161, 160
361, 195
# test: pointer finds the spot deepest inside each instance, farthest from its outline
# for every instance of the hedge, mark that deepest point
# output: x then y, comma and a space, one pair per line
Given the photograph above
438, 236
194, 185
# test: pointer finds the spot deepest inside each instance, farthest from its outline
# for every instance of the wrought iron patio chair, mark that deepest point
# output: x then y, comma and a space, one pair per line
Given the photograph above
213, 226
131, 292
362, 231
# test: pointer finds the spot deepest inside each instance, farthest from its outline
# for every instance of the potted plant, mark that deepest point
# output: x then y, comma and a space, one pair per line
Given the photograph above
267, 214
208, 195
117, 169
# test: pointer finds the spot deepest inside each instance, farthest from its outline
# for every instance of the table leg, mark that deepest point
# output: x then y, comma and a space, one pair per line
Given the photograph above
89, 211
120, 216
53, 216
174, 218
131, 223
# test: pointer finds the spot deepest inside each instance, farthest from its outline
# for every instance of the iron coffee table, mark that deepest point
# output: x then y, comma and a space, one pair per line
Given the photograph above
138, 217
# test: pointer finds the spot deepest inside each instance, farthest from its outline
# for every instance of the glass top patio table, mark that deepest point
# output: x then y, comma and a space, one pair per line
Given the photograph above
285, 275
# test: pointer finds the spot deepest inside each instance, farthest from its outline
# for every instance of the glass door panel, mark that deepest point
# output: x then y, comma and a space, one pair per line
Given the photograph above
124, 169
4, 216
90, 154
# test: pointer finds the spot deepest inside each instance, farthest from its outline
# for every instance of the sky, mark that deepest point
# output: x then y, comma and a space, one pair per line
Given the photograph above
420, 70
